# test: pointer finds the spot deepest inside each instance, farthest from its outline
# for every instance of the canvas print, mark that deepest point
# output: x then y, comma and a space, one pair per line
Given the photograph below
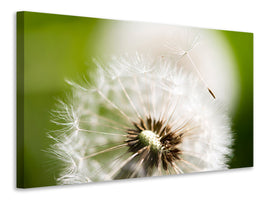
101, 100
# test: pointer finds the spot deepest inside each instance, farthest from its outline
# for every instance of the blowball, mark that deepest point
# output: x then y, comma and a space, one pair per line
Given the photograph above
140, 116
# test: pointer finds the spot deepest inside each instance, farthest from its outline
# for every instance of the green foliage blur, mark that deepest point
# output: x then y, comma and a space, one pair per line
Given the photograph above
57, 47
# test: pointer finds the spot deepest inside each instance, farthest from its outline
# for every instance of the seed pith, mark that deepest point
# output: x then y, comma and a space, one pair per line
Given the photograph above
160, 141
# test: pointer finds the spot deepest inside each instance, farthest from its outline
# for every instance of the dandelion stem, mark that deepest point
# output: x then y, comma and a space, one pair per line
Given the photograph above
109, 120
144, 154
152, 87
128, 97
177, 169
164, 110
148, 105
113, 105
108, 126
159, 164
200, 75
105, 133
106, 150
190, 164
123, 164
107, 176
185, 131
203, 142
140, 96
127, 160
197, 156
170, 116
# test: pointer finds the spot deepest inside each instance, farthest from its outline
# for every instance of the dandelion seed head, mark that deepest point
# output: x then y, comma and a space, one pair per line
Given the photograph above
145, 117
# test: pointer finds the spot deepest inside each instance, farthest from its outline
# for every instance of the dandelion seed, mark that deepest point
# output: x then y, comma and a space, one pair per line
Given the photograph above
140, 118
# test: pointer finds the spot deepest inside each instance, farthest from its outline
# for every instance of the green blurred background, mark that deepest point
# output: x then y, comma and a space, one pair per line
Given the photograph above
57, 47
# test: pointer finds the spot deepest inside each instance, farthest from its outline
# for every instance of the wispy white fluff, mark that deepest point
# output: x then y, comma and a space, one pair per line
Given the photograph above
93, 120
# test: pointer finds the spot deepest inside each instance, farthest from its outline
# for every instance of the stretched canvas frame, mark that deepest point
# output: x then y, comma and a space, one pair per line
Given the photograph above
101, 99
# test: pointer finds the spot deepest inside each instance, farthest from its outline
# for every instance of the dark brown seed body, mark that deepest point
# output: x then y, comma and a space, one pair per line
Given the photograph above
151, 158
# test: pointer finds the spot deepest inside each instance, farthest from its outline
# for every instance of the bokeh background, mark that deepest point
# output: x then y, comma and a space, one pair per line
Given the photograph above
57, 47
